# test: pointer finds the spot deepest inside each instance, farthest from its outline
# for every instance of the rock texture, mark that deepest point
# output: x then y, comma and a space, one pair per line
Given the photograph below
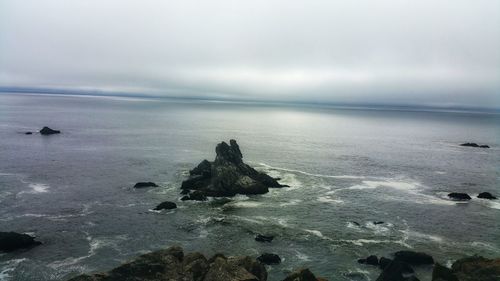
172, 264
49, 131
226, 176
473, 268
11, 241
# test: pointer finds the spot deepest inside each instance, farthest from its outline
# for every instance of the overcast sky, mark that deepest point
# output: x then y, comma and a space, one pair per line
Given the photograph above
436, 52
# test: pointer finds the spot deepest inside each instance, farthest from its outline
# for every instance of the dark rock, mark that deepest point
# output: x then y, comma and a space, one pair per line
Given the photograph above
303, 274
484, 146
49, 131
269, 259
263, 238
473, 144
28, 133
395, 271
355, 223
383, 262
459, 196
196, 196
476, 268
172, 264
227, 175
443, 273
378, 222
145, 184
371, 260
486, 195
413, 258
167, 205
11, 241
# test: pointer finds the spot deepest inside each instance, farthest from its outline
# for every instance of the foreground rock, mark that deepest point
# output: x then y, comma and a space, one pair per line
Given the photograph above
167, 205
473, 144
226, 176
11, 241
413, 258
486, 195
459, 196
303, 274
49, 131
172, 264
145, 184
473, 268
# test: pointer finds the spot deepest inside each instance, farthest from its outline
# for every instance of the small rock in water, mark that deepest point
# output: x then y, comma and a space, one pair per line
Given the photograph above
486, 195
473, 144
396, 271
371, 260
269, 259
378, 222
459, 196
414, 258
49, 131
167, 205
11, 241
145, 184
28, 133
264, 238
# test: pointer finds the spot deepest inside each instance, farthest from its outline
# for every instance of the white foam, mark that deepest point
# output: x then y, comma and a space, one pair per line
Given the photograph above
315, 232
291, 203
328, 199
302, 256
8, 268
311, 174
35, 188
246, 204
424, 236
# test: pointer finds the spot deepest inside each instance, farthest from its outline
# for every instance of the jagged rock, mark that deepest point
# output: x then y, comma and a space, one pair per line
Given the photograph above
303, 274
459, 196
486, 195
269, 259
263, 238
145, 184
49, 131
473, 144
476, 268
441, 273
371, 260
396, 271
11, 241
172, 264
167, 205
227, 175
413, 258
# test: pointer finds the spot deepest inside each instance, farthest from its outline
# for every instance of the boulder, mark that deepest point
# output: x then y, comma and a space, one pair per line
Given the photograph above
459, 196
486, 195
28, 133
302, 274
11, 241
172, 264
371, 260
167, 205
378, 222
413, 258
49, 131
269, 259
227, 175
145, 184
476, 268
396, 271
263, 238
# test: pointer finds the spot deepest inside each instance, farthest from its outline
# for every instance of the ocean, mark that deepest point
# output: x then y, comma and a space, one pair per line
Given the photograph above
346, 168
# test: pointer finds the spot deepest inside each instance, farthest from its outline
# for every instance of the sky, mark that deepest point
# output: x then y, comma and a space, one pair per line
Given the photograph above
411, 52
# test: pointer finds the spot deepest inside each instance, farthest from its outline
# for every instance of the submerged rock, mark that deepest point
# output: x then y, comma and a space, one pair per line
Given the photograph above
473, 144
371, 260
475, 268
11, 241
145, 184
263, 238
486, 195
269, 259
459, 196
28, 133
49, 131
226, 176
414, 258
172, 264
167, 205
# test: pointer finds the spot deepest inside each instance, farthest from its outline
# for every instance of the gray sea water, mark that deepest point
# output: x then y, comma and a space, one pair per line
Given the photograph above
346, 169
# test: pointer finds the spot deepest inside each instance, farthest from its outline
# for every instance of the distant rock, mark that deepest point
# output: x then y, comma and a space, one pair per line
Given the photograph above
167, 205
473, 144
11, 241
269, 259
28, 133
263, 238
378, 222
474, 268
371, 260
145, 184
486, 195
459, 196
49, 131
172, 264
413, 258
226, 176
302, 274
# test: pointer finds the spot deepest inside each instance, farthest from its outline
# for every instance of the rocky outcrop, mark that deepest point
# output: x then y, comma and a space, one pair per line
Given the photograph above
11, 241
172, 264
226, 176
269, 259
413, 258
475, 268
473, 144
486, 195
167, 205
459, 196
263, 238
145, 184
49, 131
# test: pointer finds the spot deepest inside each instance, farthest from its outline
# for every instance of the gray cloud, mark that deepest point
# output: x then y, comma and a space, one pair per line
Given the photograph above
390, 51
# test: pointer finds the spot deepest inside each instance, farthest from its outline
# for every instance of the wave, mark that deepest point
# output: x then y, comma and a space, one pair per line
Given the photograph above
311, 174
329, 199
35, 188
9, 267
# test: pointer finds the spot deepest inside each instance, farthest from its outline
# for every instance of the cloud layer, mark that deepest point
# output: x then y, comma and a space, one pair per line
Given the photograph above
441, 52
